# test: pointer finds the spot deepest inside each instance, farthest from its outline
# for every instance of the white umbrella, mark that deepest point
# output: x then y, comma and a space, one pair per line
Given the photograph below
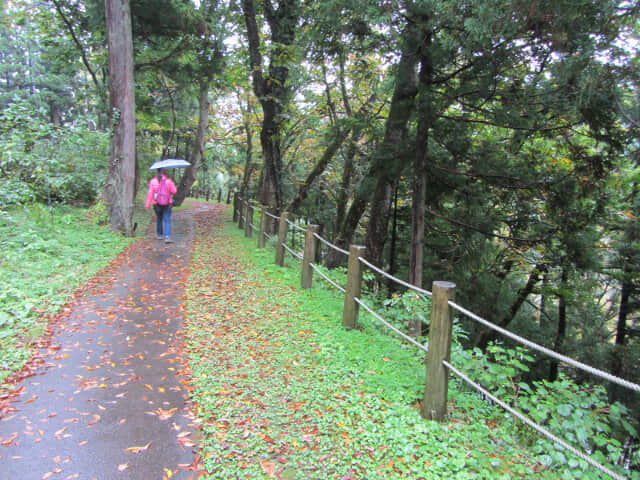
169, 163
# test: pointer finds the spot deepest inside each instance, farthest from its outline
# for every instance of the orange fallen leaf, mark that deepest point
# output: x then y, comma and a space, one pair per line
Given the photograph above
122, 467
96, 419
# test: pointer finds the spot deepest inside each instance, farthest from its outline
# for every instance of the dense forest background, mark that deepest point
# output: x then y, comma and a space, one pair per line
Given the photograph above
494, 144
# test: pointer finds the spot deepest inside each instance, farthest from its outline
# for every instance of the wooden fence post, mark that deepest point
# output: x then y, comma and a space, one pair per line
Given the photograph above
434, 403
262, 241
282, 238
248, 231
354, 286
235, 206
309, 256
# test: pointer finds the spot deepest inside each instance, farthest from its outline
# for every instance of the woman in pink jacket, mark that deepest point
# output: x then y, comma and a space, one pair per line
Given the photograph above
160, 195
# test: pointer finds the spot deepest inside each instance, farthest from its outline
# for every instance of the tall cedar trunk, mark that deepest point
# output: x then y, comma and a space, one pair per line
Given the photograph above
189, 177
425, 120
119, 191
562, 324
272, 91
388, 161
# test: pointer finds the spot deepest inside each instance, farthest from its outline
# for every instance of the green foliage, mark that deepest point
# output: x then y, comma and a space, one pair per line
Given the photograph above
42, 162
581, 415
361, 385
46, 253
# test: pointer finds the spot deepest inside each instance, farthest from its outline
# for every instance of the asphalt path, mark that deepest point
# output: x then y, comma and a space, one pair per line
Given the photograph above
111, 398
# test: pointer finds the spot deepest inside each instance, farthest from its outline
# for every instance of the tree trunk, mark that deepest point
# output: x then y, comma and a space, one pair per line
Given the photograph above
562, 324
623, 312
485, 336
272, 91
347, 174
425, 121
391, 285
388, 161
340, 135
345, 235
189, 177
119, 191
249, 165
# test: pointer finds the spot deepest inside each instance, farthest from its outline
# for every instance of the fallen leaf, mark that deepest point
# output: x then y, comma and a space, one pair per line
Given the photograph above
137, 449
123, 466
269, 468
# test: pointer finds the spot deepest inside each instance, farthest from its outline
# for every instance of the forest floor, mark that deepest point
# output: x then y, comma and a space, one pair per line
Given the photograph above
201, 359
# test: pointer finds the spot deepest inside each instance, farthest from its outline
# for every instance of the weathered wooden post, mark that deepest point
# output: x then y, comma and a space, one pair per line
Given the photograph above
219, 195
354, 286
241, 212
434, 403
262, 239
282, 238
309, 256
236, 204
248, 231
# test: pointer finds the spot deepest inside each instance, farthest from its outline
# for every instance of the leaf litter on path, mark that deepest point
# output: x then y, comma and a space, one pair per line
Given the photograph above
112, 354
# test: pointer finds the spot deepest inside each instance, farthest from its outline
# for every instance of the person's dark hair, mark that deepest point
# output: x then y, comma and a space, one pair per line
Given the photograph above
160, 172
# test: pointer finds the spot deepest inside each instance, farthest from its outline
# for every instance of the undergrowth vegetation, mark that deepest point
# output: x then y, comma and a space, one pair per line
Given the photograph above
294, 363
285, 391
45, 254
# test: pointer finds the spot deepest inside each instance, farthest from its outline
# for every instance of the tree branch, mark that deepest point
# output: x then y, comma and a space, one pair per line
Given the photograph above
85, 60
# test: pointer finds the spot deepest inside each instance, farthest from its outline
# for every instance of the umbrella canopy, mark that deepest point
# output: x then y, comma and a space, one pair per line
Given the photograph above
169, 163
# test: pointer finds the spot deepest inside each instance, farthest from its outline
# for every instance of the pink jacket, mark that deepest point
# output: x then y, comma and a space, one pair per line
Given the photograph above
153, 188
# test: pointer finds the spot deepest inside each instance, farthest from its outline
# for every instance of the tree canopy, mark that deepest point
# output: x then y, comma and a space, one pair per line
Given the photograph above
489, 143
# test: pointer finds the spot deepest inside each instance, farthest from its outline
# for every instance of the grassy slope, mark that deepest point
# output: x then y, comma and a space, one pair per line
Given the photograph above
285, 391
44, 256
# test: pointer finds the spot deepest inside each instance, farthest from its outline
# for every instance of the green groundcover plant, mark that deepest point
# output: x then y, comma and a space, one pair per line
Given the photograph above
359, 389
45, 254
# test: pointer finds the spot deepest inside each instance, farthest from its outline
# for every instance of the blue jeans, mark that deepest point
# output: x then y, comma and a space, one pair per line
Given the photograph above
163, 220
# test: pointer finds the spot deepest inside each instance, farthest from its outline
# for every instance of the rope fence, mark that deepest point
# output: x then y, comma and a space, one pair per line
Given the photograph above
321, 273
562, 358
397, 280
538, 428
391, 327
330, 245
434, 404
295, 254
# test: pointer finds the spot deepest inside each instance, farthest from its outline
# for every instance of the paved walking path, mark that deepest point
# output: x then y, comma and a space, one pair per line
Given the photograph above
112, 400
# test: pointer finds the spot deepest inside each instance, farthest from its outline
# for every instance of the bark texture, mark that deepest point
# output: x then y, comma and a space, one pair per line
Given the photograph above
119, 191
